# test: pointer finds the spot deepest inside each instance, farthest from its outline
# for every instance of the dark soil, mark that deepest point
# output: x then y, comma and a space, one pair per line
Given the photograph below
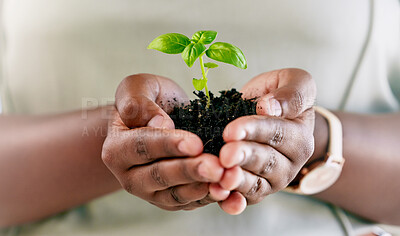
209, 123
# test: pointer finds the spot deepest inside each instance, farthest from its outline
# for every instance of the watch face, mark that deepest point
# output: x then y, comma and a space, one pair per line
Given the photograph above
320, 178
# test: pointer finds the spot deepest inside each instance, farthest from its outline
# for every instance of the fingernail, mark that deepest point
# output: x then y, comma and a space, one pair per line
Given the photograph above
237, 176
240, 157
168, 124
242, 135
275, 108
265, 107
184, 147
203, 171
218, 193
156, 122
271, 108
159, 121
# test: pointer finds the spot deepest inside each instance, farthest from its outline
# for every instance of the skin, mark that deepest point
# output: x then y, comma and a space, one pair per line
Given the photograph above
49, 164
78, 172
368, 185
179, 182
264, 152
370, 146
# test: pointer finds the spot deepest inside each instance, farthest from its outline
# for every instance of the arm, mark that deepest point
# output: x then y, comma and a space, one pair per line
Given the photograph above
369, 183
52, 163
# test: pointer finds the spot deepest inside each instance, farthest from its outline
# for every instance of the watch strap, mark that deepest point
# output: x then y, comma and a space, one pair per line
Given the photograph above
335, 145
334, 157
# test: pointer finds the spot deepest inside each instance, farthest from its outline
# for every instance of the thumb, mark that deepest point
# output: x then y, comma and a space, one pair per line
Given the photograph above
291, 99
138, 97
142, 111
160, 121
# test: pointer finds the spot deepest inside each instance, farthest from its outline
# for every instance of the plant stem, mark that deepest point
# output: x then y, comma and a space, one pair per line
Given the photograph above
205, 78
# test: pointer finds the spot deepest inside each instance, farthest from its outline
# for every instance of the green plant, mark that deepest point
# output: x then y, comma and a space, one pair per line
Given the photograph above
191, 49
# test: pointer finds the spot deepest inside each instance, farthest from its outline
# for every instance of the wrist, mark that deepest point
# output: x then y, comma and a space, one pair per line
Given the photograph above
321, 138
325, 166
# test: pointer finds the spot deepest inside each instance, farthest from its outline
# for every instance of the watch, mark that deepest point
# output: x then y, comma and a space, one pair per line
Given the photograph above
322, 174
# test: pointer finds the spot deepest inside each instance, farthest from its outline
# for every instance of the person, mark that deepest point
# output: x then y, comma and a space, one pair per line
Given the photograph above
51, 163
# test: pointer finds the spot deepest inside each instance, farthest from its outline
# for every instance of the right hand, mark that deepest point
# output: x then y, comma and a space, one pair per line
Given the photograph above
145, 152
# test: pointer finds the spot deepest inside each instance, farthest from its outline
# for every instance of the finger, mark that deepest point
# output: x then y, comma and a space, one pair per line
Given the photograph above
188, 207
234, 204
255, 188
144, 180
296, 92
259, 159
232, 178
127, 148
217, 193
293, 138
181, 195
202, 202
145, 99
287, 92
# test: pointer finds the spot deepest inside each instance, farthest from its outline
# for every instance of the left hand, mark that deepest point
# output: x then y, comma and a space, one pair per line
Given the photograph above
264, 152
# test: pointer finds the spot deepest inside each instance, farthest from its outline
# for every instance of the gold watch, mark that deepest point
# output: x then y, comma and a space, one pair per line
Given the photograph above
322, 174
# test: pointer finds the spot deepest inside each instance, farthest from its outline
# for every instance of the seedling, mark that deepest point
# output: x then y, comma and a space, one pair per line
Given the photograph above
191, 49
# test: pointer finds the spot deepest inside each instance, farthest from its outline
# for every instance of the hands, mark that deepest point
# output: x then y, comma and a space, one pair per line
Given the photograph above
263, 153
147, 159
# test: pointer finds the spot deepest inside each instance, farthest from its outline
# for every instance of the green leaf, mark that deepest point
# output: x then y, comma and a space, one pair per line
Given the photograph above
172, 43
210, 65
192, 52
205, 37
225, 52
198, 84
